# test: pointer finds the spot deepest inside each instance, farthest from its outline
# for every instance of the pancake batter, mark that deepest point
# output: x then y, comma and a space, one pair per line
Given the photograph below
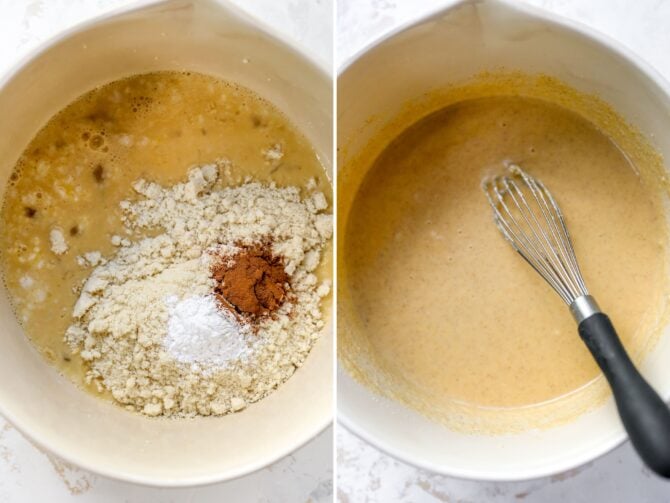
451, 313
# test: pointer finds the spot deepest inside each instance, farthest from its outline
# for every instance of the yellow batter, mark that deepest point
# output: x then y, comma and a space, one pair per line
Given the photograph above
453, 318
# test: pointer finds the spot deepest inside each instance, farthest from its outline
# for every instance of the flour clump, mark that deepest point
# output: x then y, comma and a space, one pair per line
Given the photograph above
149, 321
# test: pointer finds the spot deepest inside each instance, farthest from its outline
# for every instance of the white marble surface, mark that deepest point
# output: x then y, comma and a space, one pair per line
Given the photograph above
366, 475
29, 475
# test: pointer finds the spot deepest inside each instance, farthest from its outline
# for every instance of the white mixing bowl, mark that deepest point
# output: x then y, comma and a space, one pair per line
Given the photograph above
202, 36
448, 46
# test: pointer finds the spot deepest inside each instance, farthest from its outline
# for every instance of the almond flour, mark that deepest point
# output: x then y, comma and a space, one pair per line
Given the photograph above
127, 304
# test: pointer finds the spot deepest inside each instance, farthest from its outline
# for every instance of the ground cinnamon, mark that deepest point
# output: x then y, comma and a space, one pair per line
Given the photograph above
253, 281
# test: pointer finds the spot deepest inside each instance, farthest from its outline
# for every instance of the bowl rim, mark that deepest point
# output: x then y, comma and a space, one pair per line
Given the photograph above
633, 61
12, 71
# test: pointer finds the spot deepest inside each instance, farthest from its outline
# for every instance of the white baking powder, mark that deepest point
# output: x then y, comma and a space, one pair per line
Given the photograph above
201, 334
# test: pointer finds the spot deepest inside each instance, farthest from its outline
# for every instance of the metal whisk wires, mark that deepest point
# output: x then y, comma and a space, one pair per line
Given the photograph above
528, 216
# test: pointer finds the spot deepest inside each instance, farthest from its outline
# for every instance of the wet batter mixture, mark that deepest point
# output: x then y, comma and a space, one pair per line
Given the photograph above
449, 312
78, 168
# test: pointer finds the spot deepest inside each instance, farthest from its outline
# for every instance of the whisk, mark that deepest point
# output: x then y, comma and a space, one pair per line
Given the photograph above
529, 218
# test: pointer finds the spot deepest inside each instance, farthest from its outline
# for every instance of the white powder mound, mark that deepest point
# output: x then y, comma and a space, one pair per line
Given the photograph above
121, 325
201, 334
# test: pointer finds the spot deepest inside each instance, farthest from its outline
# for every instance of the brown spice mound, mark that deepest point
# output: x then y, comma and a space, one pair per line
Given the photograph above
253, 281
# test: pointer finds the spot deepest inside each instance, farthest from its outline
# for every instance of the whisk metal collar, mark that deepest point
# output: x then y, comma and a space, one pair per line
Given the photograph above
584, 307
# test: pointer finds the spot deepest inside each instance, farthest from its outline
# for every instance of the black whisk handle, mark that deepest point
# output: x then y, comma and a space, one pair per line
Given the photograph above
643, 413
